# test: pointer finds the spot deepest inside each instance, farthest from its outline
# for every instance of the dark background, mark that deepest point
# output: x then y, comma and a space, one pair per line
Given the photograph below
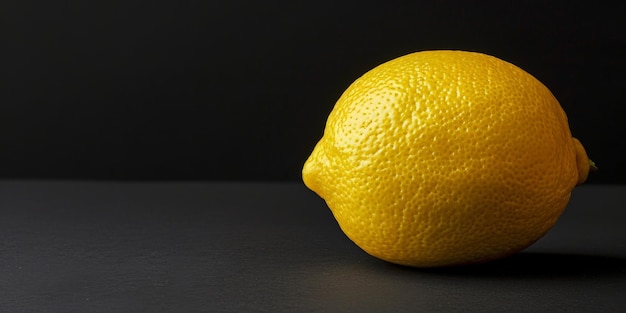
240, 90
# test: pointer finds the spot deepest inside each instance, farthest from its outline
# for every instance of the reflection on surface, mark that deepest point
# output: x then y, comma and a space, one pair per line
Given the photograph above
373, 285
536, 265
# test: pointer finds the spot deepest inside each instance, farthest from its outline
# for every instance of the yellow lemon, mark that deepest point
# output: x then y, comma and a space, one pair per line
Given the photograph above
442, 158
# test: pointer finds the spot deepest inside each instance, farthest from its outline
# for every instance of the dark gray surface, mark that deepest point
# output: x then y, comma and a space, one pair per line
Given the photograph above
241, 247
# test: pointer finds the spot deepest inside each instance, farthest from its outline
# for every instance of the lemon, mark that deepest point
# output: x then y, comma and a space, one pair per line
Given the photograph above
442, 158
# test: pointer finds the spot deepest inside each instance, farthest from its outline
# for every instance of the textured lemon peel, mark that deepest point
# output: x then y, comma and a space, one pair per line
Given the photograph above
486, 211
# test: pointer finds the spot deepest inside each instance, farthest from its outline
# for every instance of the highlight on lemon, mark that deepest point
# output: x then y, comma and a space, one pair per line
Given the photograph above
441, 158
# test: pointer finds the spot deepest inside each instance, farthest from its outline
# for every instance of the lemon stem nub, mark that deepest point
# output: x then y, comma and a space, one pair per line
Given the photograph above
592, 166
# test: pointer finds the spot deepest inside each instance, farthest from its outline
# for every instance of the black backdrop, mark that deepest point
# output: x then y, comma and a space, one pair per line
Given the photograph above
240, 90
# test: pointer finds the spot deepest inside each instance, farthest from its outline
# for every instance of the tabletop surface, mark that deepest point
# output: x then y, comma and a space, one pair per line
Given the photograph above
275, 247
